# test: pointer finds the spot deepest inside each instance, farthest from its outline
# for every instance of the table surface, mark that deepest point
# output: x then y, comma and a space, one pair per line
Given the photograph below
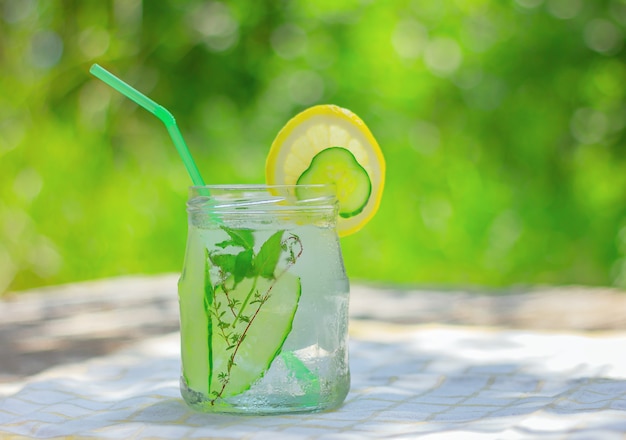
101, 359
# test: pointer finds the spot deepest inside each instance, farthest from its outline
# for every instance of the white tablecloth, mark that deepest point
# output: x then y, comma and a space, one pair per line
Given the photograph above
407, 382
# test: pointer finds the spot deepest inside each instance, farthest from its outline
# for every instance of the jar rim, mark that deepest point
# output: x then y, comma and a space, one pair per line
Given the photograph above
235, 198
260, 186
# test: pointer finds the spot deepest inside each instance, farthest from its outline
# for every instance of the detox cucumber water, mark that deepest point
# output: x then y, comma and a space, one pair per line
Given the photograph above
263, 302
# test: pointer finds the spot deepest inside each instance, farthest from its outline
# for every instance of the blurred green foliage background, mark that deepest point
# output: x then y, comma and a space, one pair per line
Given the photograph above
502, 122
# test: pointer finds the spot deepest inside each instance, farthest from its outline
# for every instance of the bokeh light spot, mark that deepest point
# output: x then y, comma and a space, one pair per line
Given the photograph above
44, 257
409, 38
306, 87
12, 132
94, 99
530, 4
609, 79
128, 13
46, 49
479, 32
603, 36
17, 10
93, 42
27, 184
435, 212
218, 29
14, 223
443, 56
8, 269
289, 41
321, 51
504, 232
487, 94
424, 137
564, 9
468, 77
589, 126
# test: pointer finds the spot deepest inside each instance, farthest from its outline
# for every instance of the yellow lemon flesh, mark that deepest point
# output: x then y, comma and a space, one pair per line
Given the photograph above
329, 144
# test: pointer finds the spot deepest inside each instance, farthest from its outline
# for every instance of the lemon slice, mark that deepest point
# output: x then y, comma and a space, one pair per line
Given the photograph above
329, 144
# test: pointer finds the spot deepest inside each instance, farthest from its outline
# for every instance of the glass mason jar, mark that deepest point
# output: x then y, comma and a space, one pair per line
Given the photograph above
263, 301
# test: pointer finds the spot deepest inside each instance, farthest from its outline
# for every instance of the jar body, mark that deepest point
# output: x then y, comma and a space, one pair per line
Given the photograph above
263, 303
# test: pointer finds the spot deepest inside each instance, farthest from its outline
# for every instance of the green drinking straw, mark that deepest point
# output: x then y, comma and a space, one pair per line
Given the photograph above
159, 111
293, 363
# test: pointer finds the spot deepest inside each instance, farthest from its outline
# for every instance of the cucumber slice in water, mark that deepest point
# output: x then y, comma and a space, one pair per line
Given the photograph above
252, 344
338, 166
194, 320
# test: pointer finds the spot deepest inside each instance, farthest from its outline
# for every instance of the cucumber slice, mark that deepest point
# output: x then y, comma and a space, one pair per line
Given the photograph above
194, 319
338, 165
265, 332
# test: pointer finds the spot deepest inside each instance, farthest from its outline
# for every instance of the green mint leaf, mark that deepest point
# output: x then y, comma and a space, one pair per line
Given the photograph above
267, 258
243, 265
226, 262
238, 237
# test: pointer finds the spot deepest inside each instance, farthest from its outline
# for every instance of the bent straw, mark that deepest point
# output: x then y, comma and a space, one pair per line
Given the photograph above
159, 111
296, 365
